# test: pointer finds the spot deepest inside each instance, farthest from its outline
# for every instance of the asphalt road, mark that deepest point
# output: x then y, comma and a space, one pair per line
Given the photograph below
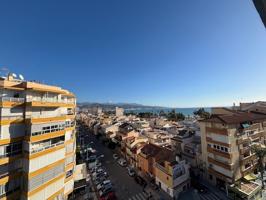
124, 185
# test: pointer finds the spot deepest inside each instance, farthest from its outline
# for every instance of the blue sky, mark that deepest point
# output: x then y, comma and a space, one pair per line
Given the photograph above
155, 52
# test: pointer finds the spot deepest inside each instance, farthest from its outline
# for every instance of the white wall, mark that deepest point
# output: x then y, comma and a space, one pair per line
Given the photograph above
42, 161
49, 190
12, 131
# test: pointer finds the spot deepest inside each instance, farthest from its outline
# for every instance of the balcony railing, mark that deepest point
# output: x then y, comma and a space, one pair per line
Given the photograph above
36, 150
12, 99
47, 131
49, 100
12, 117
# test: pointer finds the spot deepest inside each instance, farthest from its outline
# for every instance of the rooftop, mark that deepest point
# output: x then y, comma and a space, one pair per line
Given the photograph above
237, 117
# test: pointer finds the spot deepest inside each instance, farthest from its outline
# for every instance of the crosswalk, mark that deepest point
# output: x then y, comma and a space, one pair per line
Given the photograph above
139, 196
209, 196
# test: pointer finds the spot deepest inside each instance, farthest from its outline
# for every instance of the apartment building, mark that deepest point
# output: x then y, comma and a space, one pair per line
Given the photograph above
261, 8
37, 140
226, 141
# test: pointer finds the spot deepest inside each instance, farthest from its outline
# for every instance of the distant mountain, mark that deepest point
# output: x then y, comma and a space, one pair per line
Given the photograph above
111, 106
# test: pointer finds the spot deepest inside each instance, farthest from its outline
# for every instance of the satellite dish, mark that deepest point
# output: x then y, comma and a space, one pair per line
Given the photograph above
14, 75
21, 77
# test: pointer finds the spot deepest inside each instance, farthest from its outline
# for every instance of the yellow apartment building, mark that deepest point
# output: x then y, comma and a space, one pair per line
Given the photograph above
37, 140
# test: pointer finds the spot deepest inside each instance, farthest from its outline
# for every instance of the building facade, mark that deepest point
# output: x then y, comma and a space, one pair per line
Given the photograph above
37, 140
226, 141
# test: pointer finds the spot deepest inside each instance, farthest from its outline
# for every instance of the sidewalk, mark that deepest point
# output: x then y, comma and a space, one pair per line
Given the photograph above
157, 195
222, 195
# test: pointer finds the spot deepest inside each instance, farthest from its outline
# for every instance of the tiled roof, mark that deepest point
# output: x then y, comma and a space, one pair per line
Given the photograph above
159, 153
237, 117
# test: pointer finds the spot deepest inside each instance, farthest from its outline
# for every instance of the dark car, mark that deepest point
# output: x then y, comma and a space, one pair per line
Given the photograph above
201, 188
140, 181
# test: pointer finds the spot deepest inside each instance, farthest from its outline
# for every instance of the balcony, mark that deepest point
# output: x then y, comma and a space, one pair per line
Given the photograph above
244, 150
223, 164
247, 159
42, 148
49, 102
11, 101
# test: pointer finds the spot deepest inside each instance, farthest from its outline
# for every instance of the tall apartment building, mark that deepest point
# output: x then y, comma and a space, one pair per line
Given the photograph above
119, 112
261, 8
226, 141
37, 140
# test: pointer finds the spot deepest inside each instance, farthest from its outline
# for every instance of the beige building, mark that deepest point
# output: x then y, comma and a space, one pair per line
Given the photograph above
37, 140
119, 112
226, 141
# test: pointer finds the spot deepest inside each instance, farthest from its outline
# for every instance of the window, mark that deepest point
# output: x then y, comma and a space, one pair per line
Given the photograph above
214, 146
222, 148
225, 149
210, 177
218, 147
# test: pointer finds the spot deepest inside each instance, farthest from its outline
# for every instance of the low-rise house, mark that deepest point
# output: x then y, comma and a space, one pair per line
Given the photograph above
146, 159
158, 137
179, 141
133, 147
171, 174
244, 191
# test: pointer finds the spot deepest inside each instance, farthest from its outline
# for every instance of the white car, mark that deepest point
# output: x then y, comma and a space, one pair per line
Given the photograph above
122, 162
103, 184
130, 171
115, 156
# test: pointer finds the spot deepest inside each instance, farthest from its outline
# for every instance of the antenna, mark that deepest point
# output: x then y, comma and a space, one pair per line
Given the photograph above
21, 77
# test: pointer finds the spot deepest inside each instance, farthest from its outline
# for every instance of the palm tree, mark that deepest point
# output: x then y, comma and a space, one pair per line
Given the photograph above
260, 152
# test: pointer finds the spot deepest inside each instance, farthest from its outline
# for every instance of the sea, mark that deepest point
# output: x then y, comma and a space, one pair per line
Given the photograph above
185, 111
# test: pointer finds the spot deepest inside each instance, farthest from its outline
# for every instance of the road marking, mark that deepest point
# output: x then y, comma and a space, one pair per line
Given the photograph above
134, 198
143, 195
139, 197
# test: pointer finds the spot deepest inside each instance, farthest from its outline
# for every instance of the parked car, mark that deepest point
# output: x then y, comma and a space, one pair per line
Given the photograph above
130, 171
115, 156
109, 196
104, 191
140, 181
99, 180
97, 170
101, 174
122, 162
103, 184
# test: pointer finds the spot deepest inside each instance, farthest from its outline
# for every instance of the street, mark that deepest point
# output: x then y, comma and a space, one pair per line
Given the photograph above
124, 185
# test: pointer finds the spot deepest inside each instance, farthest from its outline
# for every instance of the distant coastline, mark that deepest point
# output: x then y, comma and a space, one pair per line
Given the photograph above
185, 111
138, 108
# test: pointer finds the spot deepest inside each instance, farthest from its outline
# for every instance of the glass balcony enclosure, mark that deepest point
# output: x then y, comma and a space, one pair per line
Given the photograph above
46, 144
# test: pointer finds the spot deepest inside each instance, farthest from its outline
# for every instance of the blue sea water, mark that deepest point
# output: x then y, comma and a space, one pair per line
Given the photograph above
185, 111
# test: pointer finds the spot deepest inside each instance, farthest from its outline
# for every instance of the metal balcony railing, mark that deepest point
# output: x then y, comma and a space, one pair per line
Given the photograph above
49, 100
47, 131
12, 99
12, 117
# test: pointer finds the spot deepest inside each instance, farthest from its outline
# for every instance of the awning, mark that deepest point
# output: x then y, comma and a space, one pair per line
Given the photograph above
250, 177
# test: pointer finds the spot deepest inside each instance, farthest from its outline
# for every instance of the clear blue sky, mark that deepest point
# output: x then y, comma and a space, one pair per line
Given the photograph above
178, 53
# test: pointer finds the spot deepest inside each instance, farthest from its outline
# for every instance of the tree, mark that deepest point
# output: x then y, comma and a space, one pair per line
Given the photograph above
202, 113
173, 116
162, 113
260, 152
